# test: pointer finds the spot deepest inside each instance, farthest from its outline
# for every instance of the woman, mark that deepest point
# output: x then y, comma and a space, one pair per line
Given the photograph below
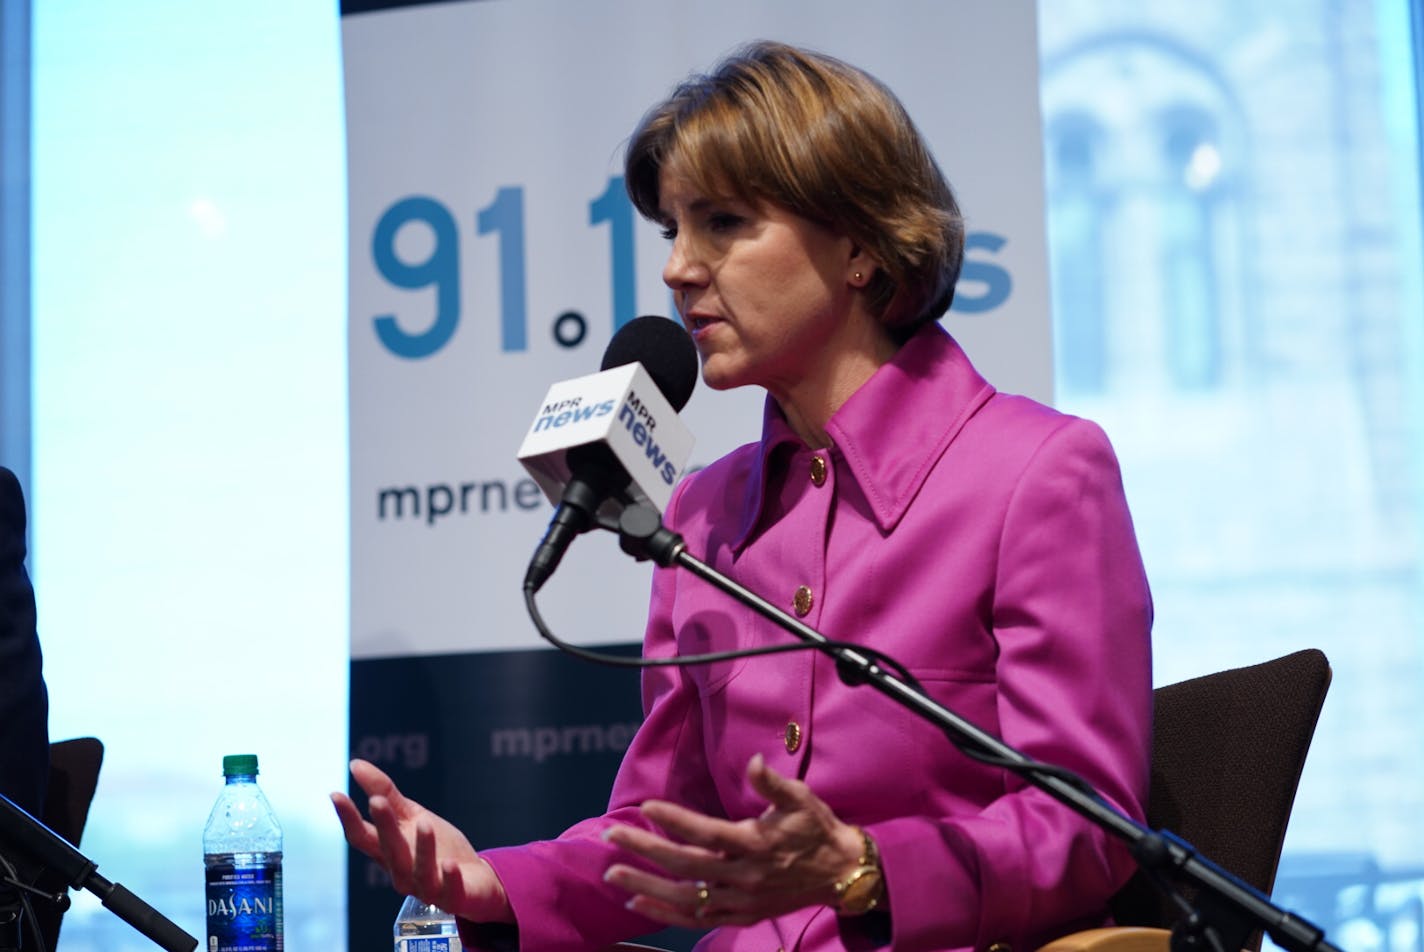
895, 499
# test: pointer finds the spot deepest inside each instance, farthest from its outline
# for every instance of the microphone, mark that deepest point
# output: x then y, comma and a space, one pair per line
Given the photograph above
612, 438
46, 848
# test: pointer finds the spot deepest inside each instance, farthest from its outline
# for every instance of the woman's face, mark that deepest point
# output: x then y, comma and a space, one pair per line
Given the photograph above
763, 292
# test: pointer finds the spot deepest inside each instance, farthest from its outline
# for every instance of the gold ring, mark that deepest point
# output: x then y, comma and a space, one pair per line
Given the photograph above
704, 896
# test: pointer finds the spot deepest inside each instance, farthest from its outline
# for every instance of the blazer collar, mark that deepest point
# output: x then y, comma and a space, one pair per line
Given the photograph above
890, 433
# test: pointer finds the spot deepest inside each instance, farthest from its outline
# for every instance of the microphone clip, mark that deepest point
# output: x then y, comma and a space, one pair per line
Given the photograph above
641, 534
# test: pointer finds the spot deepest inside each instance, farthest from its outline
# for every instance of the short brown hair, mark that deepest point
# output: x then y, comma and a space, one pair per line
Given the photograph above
825, 140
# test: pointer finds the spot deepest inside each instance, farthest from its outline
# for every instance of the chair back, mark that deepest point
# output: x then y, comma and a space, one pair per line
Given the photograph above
1228, 750
73, 778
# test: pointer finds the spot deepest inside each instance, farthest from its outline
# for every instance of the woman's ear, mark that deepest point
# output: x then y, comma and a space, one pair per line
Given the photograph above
860, 267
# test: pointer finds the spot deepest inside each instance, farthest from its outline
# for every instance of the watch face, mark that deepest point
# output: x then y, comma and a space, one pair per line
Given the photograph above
862, 892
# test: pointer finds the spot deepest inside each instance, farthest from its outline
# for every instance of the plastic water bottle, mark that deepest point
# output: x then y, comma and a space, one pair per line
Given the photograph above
421, 927
242, 851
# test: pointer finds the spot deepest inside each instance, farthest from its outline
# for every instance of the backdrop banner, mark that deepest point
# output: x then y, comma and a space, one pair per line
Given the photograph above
493, 251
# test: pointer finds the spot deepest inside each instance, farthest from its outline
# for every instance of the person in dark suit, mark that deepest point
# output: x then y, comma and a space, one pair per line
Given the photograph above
24, 702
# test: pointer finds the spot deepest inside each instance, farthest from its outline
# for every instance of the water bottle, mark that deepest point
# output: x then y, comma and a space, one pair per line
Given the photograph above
421, 927
242, 851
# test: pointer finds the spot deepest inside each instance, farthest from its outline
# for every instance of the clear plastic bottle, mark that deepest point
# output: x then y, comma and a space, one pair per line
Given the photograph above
421, 927
242, 853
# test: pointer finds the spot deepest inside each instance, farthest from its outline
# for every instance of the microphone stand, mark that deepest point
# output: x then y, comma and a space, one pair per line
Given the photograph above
1228, 909
47, 849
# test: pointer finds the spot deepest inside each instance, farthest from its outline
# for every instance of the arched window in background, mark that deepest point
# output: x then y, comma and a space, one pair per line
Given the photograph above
1192, 302
1142, 140
1079, 206
1256, 174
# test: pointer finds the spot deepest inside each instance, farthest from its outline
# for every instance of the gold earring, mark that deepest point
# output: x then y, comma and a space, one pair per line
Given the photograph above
857, 277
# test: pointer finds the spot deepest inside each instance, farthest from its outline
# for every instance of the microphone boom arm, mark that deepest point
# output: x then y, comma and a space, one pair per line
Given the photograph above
1230, 909
48, 849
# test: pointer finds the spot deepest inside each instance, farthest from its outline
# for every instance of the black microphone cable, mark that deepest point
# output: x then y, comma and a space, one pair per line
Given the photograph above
679, 661
829, 646
11, 877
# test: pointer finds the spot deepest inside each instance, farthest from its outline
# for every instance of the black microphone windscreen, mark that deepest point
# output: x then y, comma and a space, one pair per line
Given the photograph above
665, 350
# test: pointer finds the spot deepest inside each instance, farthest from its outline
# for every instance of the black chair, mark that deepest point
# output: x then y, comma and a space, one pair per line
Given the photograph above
73, 777
1228, 750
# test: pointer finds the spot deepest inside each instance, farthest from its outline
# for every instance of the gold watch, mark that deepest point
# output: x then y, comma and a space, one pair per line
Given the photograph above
863, 889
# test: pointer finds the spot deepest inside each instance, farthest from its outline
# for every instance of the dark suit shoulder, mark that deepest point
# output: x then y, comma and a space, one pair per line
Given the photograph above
24, 703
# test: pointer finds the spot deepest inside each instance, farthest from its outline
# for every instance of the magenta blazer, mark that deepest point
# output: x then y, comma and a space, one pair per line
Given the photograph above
981, 539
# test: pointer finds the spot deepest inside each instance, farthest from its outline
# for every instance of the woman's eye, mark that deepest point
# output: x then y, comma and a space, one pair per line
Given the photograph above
669, 232
723, 221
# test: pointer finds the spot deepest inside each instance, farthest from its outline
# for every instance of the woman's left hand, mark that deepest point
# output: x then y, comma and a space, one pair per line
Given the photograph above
723, 872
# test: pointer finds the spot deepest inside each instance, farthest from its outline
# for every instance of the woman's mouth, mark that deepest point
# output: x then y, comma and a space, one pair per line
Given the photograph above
697, 323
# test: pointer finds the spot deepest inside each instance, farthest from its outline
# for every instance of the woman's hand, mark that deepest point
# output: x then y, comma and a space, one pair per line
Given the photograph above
720, 872
424, 853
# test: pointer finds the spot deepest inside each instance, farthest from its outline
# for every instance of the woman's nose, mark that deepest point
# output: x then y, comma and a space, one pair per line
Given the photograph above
683, 267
